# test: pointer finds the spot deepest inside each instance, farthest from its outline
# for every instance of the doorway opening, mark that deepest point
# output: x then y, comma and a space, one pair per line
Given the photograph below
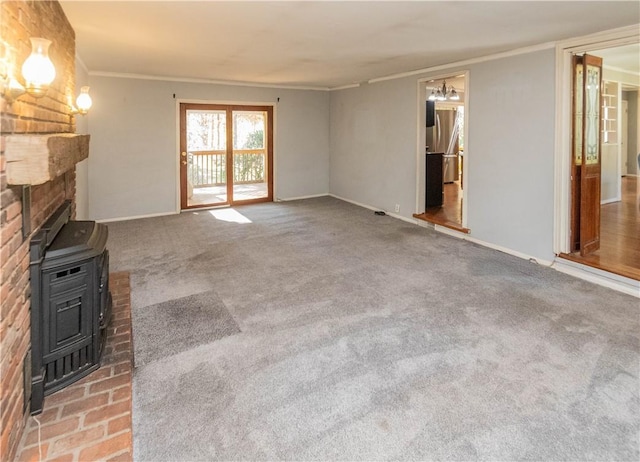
616, 211
226, 155
444, 150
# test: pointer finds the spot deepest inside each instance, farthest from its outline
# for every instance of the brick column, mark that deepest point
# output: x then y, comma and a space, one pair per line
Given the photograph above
49, 114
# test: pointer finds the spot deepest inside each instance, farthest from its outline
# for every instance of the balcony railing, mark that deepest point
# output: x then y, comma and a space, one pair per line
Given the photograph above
208, 168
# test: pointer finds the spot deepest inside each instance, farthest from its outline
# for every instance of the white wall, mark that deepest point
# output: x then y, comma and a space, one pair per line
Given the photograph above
132, 165
633, 125
82, 168
373, 145
619, 76
510, 152
633, 132
509, 149
609, 168
612, 157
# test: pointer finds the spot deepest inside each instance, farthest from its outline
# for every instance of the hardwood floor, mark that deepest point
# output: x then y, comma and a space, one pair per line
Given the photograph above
619, 235
450, 214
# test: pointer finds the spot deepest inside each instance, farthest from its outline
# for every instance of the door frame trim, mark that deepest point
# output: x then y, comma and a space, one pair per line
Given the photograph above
563, 111
623, 156
421, 98
176, 153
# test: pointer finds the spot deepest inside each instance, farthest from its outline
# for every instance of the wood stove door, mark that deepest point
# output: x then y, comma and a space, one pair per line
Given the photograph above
69, 314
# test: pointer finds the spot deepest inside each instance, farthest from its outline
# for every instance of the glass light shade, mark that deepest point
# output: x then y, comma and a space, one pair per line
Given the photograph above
453, 95
432, 96
440, 96
83, 102
38, 70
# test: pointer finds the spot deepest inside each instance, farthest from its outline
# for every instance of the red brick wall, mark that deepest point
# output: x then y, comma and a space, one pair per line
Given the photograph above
49, 114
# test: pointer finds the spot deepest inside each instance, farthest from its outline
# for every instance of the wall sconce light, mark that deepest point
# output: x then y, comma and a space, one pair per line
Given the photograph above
83, 102
11, 88
38, 72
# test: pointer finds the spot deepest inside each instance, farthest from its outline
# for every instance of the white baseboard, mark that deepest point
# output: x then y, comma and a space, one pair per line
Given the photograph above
413, 221
597, 276
312, 196
163, 214
610, 201
400, 217
136, 217
452, 232
499, 248
426, 224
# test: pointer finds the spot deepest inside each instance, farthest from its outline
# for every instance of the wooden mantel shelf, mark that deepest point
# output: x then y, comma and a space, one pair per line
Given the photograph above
36, 159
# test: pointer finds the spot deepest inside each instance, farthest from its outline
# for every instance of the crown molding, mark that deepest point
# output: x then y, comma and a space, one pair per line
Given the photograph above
621, 70
119, 75
344, 87
467, 62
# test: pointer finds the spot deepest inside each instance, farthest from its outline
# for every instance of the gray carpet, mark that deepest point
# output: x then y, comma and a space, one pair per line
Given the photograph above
349, 336
170, 327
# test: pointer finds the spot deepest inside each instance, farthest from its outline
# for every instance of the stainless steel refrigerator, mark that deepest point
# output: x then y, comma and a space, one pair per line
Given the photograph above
443, 137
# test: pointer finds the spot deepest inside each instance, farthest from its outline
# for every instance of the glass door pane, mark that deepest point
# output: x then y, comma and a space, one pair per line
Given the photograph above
592, 119
250, 159
206, 134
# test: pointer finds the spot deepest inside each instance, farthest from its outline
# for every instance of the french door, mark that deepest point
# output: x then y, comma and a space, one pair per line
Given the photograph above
226, 155
586, 162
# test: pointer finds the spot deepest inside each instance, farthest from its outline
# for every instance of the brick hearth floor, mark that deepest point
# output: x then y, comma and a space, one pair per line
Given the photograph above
91, 419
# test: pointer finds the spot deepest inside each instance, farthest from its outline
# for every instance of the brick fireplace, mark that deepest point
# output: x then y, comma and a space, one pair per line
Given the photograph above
27, 116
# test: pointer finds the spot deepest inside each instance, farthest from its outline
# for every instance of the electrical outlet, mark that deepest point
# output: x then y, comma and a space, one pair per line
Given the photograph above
397, 209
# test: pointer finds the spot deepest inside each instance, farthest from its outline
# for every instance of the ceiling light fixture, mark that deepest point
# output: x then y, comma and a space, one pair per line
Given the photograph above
442, 93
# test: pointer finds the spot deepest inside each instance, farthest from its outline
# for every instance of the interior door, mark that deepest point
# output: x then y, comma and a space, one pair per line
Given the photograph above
226, 155
586, 168
591, 160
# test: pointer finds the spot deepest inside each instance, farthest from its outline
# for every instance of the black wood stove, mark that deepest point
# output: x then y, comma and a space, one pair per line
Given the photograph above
70, 302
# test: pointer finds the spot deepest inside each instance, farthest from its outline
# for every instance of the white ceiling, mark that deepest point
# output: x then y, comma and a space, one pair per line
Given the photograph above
626, 57
319, 44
